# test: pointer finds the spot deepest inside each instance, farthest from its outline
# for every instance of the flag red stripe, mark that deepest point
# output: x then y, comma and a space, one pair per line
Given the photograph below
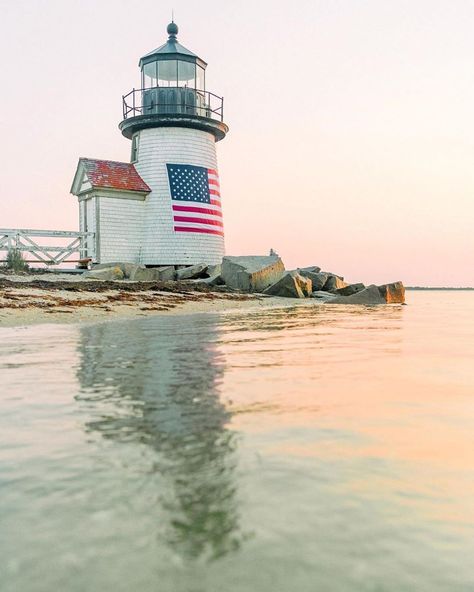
212, 172
200, 230
198, 220
216, 202
214, 192
197, 210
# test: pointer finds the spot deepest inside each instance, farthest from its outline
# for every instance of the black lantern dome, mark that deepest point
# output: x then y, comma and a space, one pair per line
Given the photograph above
172, 29
173, 92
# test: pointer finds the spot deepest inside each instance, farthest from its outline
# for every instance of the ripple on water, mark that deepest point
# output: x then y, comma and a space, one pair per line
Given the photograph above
280, 449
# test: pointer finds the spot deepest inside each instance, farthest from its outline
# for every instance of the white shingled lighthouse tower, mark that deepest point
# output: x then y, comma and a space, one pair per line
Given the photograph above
164, 207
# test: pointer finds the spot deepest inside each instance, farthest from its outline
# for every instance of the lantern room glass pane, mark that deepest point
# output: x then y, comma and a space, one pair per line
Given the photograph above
149, 75
200, 78
186, 74
168, 73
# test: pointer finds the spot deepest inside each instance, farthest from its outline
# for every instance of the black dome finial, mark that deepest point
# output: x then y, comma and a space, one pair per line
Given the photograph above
172, 30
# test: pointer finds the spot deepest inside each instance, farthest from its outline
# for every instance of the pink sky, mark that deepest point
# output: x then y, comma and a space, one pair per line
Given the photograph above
351, 141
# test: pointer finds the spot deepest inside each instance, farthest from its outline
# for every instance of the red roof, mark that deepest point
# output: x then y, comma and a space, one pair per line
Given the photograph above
114, 175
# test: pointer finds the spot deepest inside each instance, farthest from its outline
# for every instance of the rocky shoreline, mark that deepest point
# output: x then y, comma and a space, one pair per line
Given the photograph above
255, 274
129, 290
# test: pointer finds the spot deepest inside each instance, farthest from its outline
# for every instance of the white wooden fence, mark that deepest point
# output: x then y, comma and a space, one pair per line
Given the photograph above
26, 241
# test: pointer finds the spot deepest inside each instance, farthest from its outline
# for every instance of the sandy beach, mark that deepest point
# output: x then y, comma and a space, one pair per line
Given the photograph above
62, 298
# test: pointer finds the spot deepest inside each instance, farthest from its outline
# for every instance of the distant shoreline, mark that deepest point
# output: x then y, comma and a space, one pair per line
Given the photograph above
430, 288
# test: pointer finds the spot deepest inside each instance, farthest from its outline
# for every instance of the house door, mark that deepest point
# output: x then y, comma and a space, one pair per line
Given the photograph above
90, 225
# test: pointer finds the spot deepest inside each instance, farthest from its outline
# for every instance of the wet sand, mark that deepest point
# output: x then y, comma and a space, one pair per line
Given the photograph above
31, 299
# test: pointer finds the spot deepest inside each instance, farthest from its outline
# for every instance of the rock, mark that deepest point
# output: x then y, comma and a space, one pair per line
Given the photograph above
290, 285
210, 281
213, 270
311, 269
333, 283
215, 275
145, 274
317, 279
350, 289
334, 274
370, 295
106, 274
305, 284
140, 273
167, 273
191, 273
252, 273
216, 280
393, 293
128, 269
320, 295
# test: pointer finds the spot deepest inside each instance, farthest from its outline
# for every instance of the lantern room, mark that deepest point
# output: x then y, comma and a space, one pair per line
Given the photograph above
172, 65
173, 79
173, 92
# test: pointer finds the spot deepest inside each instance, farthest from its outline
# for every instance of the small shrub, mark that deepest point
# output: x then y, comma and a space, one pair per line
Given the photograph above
15, 261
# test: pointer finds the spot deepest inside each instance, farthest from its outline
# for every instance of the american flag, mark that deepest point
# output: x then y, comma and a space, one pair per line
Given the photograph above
196, 199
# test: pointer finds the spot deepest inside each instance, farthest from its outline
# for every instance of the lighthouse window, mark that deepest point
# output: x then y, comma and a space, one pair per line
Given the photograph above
149, 75
134, 155
186, 74
200, 83
168, 73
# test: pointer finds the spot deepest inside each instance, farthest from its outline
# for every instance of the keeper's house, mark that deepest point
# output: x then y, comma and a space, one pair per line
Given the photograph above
164, 207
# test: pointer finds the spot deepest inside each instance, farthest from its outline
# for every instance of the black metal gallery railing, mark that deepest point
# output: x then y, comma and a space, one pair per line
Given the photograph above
173, 100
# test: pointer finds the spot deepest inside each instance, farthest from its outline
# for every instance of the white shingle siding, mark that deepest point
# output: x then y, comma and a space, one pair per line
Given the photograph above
157, 147
120, 229
129, 229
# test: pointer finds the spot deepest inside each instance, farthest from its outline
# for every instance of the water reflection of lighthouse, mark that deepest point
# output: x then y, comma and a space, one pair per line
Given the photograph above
155, 383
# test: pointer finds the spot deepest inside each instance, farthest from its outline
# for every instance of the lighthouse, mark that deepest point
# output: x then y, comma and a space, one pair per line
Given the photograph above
164, 206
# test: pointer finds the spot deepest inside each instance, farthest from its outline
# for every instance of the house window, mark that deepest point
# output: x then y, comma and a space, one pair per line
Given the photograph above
134, 155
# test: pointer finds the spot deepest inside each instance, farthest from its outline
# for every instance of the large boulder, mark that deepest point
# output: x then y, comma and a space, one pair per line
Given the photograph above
350, 289
209, 281
105, 274
335, 274
252, 273
311, 268
393, 293
317, 279
193, 272
145, 274
167, 273
323, 296
290, 285
128, 269
333, 283
215, 275
214, 270
305, 284
370, 295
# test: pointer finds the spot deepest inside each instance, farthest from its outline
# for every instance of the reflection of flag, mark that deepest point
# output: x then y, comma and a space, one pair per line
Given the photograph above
196, 199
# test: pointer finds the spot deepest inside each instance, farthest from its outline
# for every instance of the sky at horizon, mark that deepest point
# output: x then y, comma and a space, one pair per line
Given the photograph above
351, 141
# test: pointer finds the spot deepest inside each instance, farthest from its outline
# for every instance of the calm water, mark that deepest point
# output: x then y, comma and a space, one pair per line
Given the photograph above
296, 450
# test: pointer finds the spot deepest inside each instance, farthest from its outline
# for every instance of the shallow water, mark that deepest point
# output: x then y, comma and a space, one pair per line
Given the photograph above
326, 448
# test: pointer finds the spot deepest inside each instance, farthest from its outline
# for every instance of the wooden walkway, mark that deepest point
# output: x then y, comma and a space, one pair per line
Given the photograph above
38, 246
